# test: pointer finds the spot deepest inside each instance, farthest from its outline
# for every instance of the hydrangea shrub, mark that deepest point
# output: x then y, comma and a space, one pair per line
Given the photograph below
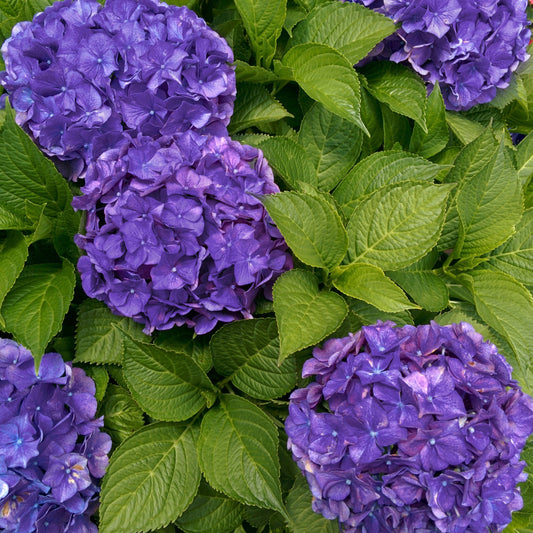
79, 74
52, 451
412, 428
392, 207
470, 48
176, 234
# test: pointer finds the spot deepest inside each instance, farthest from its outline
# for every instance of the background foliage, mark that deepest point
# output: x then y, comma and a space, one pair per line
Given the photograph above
394, 208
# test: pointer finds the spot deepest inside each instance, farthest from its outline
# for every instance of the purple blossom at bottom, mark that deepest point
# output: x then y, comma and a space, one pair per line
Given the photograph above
52, 451
470, 47
79, 74
175, 233
411, 429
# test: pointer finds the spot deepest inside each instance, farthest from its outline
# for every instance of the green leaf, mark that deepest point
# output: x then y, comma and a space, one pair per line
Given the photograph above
305, 315
122, 416
247, 353
368, 314
470, 161
425, 288
331, 143
515, 256
25, 174
397, 225
327, 77
350, 28
465, 129
489, 205
168, 386
398, 87
397, 129
263, 21
378, 170
524, 159
184, 340
211, 511
238, 453
505, 305
252, 73
36, 305
10, 220
435, 140
255, 105
100, 377
100, 334
302, 517
311, 226
369, 283
151, 479
13, 255
289, 160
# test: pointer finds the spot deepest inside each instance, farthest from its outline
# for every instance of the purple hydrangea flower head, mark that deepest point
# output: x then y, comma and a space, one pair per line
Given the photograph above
411, 429
80, 73
175, 233
52, 452
470, 47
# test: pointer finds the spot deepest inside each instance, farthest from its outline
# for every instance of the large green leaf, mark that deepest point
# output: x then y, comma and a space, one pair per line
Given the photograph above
238, 453
331, 143
302, 517
398, 87
12, 221
25, 174
13, 255
378, 170
489, 206
435, 140
168, 386
100, 334
247, 353
289, 160
255, 105
369, 283
152, 478
35, 307
397, 225
311, 226
263, 21
327, 77
524, 158
515, 256
305, 314
211, 511
424, 286
349, 28
505, 305
122, 416
368, 314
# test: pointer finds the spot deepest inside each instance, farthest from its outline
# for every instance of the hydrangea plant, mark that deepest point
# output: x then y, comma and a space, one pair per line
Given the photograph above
411, 429
79, 74
391, 206
52, 452
470, 48
175, 232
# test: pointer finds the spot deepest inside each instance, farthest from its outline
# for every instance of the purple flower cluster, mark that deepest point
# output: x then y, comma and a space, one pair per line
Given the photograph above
79, 74
51, 449
411, 429
175, 234
470, 47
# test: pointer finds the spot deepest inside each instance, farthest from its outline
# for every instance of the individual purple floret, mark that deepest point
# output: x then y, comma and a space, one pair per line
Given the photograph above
52, 452
175, 234
411, 429
469, 47
79, 74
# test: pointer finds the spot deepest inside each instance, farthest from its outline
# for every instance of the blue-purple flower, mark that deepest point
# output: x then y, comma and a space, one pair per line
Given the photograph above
79, 74
52, 451
411, 429
176, 233
470, 48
